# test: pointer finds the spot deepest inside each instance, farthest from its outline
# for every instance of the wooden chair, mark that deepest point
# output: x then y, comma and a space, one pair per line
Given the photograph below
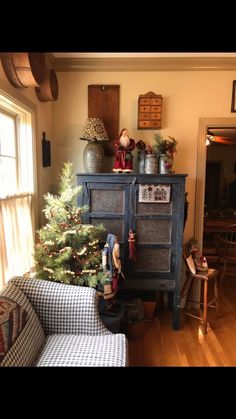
225, 243
204, 278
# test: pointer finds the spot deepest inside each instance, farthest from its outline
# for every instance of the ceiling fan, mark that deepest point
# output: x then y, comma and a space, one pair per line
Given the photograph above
219, 139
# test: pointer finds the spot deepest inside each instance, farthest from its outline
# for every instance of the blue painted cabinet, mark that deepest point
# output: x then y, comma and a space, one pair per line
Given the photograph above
151, 205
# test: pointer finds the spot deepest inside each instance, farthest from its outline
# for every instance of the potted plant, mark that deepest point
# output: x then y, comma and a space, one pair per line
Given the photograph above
165, 148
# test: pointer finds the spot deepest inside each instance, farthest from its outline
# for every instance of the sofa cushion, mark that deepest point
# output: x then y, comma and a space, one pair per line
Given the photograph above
28, 335
83, 350
12, 320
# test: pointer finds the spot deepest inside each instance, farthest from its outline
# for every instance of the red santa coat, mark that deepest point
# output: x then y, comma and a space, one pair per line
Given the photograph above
123, 156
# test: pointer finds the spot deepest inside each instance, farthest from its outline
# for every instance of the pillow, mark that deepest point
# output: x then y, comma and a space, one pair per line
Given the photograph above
30, 340
13, 319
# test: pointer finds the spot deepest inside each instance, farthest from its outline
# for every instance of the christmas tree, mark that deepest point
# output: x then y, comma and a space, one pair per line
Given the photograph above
66, 249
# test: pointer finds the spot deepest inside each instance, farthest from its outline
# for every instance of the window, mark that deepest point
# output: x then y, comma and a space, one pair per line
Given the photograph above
16, 148
17, 188
8, 172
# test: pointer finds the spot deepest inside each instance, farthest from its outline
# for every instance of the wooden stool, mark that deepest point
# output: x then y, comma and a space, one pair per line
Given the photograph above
205, 277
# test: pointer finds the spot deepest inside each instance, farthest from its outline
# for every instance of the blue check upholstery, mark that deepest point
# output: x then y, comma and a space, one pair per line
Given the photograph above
63, 328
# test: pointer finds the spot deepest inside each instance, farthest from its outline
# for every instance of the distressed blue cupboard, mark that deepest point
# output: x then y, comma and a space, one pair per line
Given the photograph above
151, 205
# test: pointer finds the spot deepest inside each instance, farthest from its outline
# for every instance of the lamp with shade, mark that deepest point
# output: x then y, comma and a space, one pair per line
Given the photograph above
94, 132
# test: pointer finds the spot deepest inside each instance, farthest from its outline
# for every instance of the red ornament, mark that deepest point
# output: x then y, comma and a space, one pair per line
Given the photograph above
132, 248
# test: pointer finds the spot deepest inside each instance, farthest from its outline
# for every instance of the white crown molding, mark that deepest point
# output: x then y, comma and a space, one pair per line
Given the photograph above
220, 63
141, 54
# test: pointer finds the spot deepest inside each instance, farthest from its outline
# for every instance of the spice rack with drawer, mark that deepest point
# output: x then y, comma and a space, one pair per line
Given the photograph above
149, 111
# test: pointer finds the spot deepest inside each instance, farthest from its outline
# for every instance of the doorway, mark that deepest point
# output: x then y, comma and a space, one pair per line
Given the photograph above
204, 124
212, 183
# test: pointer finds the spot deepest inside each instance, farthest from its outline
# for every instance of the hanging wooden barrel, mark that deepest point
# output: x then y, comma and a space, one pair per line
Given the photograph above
49, 89
24, 69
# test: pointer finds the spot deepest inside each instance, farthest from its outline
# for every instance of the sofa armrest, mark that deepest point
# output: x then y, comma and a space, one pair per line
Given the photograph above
63, 309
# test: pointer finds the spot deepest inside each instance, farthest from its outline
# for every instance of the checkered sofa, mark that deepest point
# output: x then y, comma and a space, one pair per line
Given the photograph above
63, 327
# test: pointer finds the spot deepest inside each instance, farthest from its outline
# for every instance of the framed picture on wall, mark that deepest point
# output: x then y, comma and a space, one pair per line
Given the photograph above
233, 103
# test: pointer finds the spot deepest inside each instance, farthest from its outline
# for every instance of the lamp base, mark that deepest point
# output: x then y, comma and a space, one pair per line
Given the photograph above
93, 157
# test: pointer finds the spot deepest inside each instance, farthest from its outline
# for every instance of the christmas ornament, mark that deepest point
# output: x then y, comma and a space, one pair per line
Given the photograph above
132, 248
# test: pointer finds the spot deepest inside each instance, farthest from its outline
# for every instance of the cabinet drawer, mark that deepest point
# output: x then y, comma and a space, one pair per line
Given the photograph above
155, 116
155, 109
145, 101
144, 116
144, 108
152, 284
150, 124
156, 101
165, 284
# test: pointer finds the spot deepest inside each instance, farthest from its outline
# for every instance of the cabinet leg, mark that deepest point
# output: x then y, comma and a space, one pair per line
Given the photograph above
159, 298
170, 300
176, 323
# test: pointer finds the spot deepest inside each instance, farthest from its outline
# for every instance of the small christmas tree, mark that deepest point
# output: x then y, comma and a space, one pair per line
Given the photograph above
66, 249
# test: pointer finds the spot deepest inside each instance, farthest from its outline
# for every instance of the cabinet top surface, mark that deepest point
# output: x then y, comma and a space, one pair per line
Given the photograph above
131, 175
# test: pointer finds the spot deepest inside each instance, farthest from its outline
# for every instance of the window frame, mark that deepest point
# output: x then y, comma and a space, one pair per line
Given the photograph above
9, 99
14, 116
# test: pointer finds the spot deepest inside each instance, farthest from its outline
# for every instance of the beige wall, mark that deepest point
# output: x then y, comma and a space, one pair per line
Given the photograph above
43, 111
188, 96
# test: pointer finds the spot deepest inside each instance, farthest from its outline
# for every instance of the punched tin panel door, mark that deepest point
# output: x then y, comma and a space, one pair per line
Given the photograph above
156, 215
153, 225
158, 229
108, 204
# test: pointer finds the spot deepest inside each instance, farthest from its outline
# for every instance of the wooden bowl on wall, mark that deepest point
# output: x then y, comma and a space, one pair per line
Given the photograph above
24, 69
49, 89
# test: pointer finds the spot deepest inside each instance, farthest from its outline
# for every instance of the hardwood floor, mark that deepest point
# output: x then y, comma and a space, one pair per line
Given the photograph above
163, 346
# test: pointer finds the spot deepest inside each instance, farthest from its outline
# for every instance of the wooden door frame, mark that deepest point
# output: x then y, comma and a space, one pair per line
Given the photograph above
204, 124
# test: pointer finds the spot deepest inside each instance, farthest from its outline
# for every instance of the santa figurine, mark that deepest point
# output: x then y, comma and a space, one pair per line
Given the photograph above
111, 263
123, 156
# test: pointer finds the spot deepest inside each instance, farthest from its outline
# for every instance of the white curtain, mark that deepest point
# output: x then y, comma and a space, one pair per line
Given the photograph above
16, 236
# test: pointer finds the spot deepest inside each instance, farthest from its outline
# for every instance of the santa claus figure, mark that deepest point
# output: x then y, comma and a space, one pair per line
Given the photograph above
123, 156
111, 263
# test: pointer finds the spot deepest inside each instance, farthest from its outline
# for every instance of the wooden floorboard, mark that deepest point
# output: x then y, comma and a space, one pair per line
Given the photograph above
163, 346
